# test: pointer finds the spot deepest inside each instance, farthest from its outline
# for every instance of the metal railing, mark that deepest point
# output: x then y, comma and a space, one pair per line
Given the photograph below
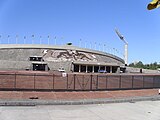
77, 82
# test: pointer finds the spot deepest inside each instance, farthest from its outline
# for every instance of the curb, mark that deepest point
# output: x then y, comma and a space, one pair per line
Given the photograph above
76, 102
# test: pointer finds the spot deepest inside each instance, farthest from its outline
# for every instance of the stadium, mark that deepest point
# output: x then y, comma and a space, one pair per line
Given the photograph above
66, 58
67, 68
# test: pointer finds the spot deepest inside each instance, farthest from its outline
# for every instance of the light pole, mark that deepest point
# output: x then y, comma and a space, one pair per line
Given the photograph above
125, 46
126, 53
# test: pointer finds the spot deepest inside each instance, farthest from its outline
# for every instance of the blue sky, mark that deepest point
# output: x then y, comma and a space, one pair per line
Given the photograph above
92, 21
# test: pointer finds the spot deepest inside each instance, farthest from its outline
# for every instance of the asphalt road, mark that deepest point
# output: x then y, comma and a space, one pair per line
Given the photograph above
146, 110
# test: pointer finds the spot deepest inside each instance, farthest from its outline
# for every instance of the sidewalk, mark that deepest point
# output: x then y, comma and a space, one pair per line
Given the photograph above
87, 97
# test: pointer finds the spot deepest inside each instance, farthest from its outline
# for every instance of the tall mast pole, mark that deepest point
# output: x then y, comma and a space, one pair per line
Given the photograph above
125, 46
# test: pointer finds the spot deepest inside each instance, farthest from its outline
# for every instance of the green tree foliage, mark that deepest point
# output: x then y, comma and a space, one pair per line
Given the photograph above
152, 66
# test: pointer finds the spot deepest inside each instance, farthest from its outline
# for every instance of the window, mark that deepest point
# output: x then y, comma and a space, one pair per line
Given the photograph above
39, 67
35, 58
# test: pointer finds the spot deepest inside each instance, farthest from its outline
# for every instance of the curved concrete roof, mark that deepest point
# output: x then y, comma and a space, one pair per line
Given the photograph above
57, 47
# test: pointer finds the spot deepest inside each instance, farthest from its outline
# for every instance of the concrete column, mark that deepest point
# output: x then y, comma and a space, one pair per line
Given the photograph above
79, 68
32, 67
110, 69
46, 67
126, 54
105, 68
86, 68
72, 67
93, 69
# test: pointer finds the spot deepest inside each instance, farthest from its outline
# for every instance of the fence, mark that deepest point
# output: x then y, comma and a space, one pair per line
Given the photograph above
77, 82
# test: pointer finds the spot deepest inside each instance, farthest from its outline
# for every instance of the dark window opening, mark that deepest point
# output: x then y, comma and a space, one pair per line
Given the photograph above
89, 69
96, 68
108, 69
83, 68
76, 68
39, 67
35, 58
102, 67
114, 69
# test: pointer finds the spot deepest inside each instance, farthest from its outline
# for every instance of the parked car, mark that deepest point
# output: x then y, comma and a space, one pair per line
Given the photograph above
102, 71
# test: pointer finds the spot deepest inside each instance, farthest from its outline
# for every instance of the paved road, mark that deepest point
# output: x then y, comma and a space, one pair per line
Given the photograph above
147, 110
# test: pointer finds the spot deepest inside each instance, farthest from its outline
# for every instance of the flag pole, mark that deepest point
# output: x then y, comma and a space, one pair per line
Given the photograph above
55, 40
32, 39
16, 39
0, 39
24, 39
40, 39
48, 39
95, 45
80, 42
8, 39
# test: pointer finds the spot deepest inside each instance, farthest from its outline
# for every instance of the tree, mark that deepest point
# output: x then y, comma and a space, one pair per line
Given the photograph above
152, 66
140, 64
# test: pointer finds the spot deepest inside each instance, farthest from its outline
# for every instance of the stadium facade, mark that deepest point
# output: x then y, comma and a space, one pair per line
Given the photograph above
58, 57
